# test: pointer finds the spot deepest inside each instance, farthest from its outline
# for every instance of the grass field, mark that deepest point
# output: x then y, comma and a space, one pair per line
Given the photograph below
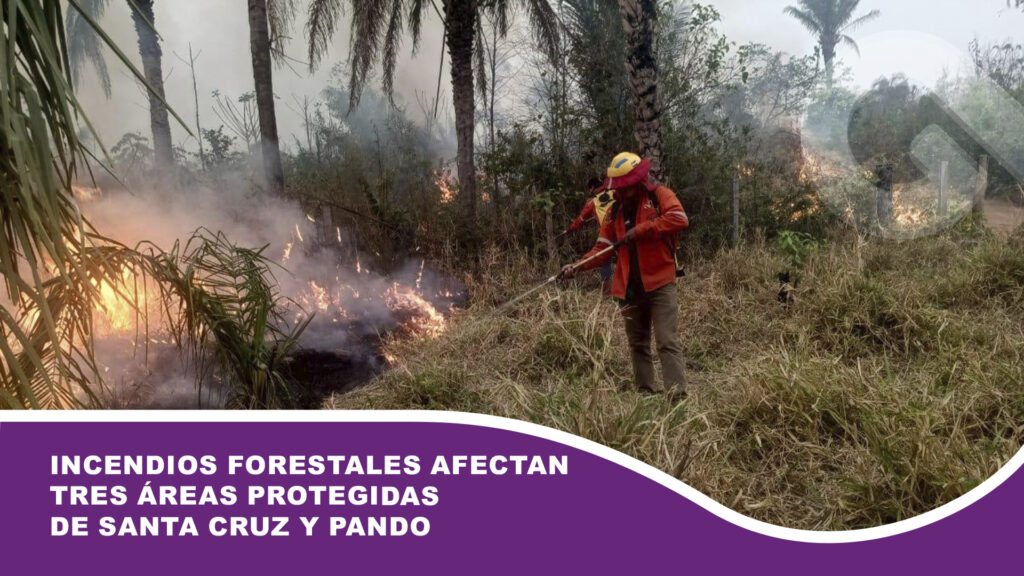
894, 384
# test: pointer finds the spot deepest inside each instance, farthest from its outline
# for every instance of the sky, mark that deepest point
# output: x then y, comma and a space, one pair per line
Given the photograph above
918, 37
915, 37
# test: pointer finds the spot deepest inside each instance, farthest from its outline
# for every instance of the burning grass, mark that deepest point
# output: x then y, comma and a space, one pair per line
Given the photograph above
259, 348
894, 384
314, 287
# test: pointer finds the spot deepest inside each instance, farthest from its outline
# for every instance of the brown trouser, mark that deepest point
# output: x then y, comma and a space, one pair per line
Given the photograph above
660, 309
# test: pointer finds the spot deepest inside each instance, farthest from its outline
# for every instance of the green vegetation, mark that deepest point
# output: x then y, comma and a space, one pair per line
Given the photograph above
43, 343
893, 384
218, 298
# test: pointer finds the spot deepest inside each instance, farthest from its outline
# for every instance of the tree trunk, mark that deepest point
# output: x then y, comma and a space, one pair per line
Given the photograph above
152, 69
263, 72
494, 86
461, 16
640, 20
549, 236
828, 54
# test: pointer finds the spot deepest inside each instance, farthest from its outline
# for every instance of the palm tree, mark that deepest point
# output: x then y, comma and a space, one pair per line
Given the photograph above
268, 24
597, 53
52, 263
831, 21
376, 33
152, 67
85, 47
640, 20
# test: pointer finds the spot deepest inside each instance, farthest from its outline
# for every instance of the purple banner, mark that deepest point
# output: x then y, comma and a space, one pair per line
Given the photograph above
437, 497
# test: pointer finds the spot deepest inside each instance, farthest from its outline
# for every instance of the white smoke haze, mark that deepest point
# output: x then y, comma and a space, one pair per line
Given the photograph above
318, 271
217, 32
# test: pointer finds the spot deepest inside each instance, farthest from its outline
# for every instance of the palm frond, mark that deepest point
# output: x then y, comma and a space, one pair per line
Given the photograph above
842, 11
855, 24
321, 22
123, 58
502, 11
367, 27
280, 15
392, 43
84, 45
229, 312
217, 299
544, 24
39, 151
849, 42
805, 18
416, 9
49, 283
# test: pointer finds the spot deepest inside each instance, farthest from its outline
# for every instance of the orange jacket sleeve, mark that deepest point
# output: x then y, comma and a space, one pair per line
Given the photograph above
588, 212
673, 217
605, 239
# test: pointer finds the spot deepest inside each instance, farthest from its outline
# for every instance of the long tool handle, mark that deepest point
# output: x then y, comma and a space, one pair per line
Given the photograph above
588, 220
604, 252
504, 307
551, 280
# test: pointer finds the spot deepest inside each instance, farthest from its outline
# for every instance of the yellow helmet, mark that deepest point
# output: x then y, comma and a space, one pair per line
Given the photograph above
623, 164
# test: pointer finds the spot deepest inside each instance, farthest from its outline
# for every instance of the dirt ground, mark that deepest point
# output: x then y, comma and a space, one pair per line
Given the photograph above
1002, 216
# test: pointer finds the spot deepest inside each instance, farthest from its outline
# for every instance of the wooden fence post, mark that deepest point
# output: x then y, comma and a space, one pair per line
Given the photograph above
943, 187
884, 200
736, 211
549, 234
979, 190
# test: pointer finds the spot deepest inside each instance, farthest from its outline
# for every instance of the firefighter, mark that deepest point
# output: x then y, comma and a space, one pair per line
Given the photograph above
597, 207
645, 221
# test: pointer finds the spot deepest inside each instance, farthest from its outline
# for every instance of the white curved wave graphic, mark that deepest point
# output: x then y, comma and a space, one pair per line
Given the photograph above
538, 431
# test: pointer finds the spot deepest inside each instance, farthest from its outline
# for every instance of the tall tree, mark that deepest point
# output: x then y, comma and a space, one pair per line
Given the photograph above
831, 21
640, 20
376, 33
152, 68
85, 47
597, 55
268, 22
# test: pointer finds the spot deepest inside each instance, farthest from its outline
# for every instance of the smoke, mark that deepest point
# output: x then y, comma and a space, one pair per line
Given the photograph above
318, 271
216, 32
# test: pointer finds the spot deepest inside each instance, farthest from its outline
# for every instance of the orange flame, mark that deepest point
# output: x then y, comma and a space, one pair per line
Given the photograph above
426, 320
442, 180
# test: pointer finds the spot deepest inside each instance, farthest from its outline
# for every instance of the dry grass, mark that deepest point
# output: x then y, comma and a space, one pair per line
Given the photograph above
893, 385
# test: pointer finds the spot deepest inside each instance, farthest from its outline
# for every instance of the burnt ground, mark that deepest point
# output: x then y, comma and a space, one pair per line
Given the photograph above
318, 374
157, 376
